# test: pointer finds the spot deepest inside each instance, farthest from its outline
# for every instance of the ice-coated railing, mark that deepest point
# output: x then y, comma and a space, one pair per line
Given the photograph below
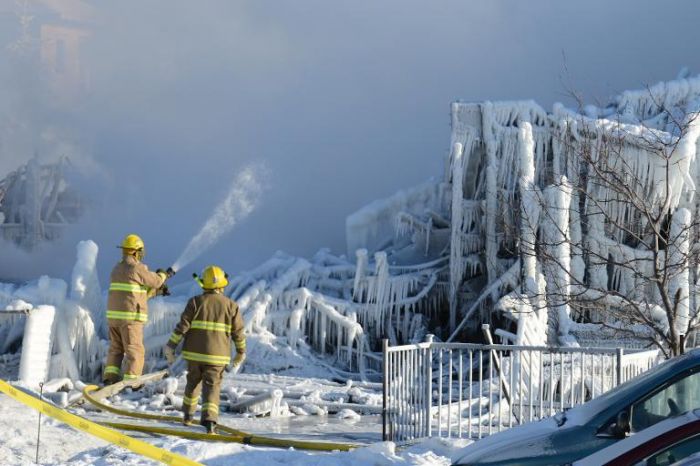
466, 390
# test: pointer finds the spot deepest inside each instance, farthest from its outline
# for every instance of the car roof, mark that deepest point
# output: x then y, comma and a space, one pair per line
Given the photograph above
649, 434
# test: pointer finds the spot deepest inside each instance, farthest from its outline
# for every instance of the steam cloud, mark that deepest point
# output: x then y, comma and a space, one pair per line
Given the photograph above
183, 94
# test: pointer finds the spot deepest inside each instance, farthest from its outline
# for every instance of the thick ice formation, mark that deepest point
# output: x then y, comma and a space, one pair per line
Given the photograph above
36, 345
60, 337
85, 285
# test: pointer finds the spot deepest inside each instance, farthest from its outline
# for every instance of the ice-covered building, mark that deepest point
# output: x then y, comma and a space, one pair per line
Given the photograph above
541, 217
521, 232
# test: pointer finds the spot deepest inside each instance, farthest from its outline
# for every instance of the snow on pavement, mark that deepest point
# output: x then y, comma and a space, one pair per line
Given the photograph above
59, 442
62, 445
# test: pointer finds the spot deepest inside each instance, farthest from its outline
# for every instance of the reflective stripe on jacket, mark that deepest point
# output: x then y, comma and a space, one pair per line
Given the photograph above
208, 324
131, 284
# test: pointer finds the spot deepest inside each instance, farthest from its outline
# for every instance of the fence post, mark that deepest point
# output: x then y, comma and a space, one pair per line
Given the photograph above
619, 355
429, 385
682, 343
486, 328
385, 386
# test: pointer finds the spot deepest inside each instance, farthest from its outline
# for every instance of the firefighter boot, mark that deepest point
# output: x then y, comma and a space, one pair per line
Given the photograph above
210, 426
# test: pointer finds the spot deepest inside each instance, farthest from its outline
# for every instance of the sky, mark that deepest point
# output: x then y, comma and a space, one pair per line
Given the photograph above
342, 103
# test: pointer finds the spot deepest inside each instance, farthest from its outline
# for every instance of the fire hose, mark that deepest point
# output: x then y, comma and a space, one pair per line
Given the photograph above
230, 434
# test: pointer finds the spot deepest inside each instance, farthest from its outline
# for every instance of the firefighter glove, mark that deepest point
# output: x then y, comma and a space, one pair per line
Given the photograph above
169, 354
238, 360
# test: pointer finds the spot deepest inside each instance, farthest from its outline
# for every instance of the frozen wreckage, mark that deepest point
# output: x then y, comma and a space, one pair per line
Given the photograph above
451, 253
37, 202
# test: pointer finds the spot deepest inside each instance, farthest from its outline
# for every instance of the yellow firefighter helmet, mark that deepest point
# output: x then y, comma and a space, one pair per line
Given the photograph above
214, 278
133, 242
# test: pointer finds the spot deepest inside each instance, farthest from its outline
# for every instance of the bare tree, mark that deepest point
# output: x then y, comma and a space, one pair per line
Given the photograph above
616, 230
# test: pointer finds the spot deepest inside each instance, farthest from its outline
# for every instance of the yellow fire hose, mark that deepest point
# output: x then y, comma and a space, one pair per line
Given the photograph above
233, 435
190, 434
87, 393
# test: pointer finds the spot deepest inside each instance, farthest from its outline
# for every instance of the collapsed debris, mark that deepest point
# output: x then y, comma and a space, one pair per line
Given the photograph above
37, 202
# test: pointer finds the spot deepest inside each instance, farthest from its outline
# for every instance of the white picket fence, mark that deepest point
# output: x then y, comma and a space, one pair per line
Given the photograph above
470, 390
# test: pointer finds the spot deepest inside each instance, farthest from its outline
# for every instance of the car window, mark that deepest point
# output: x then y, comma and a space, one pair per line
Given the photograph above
679, 397
674, 453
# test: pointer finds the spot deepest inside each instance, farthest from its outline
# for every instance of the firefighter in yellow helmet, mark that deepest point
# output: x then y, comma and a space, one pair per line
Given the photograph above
208, 324
131, 285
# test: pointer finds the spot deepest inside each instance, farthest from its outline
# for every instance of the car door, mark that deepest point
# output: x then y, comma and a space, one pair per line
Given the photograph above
669, 455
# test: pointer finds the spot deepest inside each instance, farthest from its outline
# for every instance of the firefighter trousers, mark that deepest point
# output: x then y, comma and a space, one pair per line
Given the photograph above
125, 343
207, 379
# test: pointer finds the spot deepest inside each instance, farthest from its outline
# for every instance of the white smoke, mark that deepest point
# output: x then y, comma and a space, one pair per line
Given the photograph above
242, 199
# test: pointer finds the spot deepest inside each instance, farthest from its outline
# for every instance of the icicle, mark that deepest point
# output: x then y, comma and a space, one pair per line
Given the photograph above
492, 269
555, 232
359, 288
679, 248
87, 347
85, 285
68, 360
381, 292
456, 252
529, 206
427, 236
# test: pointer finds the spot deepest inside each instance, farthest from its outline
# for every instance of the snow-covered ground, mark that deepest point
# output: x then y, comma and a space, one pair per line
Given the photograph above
59, 443
62, 445
311, 408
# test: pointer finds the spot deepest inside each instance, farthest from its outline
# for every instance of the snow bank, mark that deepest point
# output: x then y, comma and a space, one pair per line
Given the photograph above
379, 454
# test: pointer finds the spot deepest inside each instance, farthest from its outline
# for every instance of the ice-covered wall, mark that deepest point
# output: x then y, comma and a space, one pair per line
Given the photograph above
525, 170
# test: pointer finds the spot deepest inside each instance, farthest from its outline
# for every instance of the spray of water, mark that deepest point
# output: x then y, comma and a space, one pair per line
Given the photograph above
241, 200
